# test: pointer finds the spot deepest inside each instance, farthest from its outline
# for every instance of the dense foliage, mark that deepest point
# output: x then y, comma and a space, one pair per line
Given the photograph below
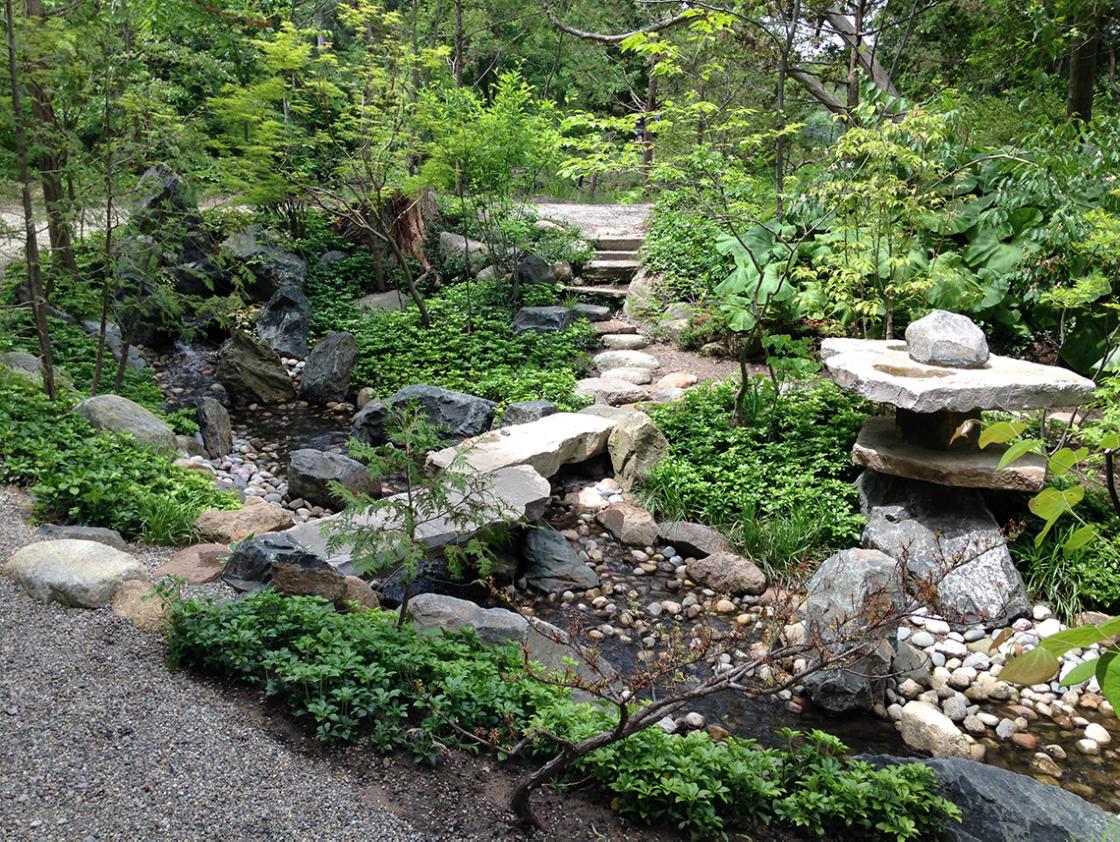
78, 475
780, 483
361, 676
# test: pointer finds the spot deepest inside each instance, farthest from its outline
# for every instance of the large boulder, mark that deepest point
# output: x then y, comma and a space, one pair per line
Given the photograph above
636, 445
852, 688
525, 412
610, 391
120, 415
925, 728
251, 372
727, 573
551, 564
214, 427
22, 363
84, 574
948, 538
534, 269
543, 319
271, 267
457, 249
326, 374
692, 538
495, 626
311, 472
546, 444
998, 805
944, 338
233, 525
108, 537
284, 322
630, 524
252, 563
455, 413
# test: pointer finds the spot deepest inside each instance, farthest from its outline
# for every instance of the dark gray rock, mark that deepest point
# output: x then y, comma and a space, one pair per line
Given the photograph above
944, 338
214, 427
326, 375
551, 564
271, 267
911, 662
284, 322
593, 312
941, 529
692, 539
311, 472
455, 413
251, 372
543, 319
524, 412
249, 568
998, 805
852, 688
332, 256
108, 537
534, 269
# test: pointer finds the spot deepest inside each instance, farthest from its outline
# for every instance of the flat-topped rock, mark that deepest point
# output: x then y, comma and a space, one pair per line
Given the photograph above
624, 359
883, 372
73, 572
611, 391
516, 493
882, 448
944, 338
624, 341
545, 444
117, 414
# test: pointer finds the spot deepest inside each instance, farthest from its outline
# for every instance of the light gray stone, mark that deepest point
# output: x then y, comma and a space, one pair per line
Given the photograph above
108, 537
950, 339
630, 524
610, 391
607, 360
725, 572
394, 299
692, 539
495, 626
636, 445
925, 728
545, 444
116, 414
22, 363
457, 249
948, 537
76, 573
624, 341
846, 587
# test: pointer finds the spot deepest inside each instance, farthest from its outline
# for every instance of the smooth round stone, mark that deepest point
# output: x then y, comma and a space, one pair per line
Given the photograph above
922, 639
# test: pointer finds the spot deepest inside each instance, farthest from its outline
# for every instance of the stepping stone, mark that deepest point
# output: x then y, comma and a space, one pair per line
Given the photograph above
611, 270
545, 445
637, 376
624, 359
614, 326
619, 242
611, 391
619, 291
624, 341
592, 312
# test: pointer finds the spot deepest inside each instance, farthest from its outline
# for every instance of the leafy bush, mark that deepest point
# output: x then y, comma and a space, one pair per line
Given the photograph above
470, 347
79, 475
681, 248
361, 676
787, 473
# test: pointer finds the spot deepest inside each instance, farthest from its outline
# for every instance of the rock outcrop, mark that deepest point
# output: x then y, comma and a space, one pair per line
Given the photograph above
116, 414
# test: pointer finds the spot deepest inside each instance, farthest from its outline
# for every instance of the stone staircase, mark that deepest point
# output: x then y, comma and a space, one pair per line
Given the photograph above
614, 266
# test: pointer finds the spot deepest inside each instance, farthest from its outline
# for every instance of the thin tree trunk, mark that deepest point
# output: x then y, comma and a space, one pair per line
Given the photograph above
107, 279
34, 271
1083, 74
650, 107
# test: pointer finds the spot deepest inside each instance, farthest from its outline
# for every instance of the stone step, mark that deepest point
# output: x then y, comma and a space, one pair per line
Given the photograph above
623, 341
619, 242
615, 327
611, 270
616, 255
618, 291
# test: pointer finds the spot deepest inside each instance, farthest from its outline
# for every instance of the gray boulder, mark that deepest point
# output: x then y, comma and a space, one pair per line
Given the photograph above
394, 299
939, 529
284, 322
120, 415
543, 319
23, 364
214, 427
854, 687
249, 568
636, 445
692, 539
272, 267
311, 472
115, 343
332, 256
455, 248
108, 537
944, 338
593, 312
551, 564
911, 662
525, 412
326, 375
728, 573
455, 413
998, 805
251, 372
534, 269
495, 626
85, 574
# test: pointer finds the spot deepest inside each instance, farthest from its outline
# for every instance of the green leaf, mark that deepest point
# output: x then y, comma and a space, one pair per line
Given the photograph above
1108, 676
1066, 458
1082, 672
1032, 667
1018, 451
1001, 432
1079, 538
1076, 638
1050, 503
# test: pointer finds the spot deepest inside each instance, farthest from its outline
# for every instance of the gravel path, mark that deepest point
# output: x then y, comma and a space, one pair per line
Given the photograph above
597, 219
98, 741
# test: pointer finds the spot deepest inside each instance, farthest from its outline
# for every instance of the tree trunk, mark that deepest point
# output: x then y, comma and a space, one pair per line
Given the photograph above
1083, 74
34, 272
650, 107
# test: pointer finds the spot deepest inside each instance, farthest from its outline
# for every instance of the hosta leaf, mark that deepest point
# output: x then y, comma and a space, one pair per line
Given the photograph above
1001, 432
1034, 667
1018, 451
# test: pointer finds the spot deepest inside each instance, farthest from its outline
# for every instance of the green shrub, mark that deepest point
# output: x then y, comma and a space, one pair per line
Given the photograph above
781, 485
359, 676
78, 475
681, 248
470, 347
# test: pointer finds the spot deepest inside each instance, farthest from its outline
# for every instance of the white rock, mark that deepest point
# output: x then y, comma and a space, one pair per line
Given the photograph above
1098, 734
78, 573
925, 728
